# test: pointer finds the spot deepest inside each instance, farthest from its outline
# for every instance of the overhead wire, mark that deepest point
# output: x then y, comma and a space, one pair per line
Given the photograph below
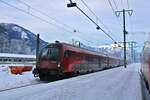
98, 27
84, 33
128, 4
39, 11
111, 6
37, 17
113, 10
115, 4
130, 20
90, 10
41, 19
54, 19
122, 4
78, 31
61, 22
97, 18
92, 19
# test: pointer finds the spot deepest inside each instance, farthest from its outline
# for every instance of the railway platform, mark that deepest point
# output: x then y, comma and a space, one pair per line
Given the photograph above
113, 84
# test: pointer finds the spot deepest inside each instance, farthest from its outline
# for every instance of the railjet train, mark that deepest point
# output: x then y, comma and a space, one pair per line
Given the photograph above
145, 63
61, 59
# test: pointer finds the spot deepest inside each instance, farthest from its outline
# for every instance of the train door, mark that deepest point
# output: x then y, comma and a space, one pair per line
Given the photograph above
107, 61
100, 62
67, 59
81, 62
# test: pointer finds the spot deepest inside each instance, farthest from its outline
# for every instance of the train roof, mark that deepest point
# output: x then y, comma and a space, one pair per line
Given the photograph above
16, 55
84, 50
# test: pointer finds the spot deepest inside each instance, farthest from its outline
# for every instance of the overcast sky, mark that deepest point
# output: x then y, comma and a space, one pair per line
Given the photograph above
57, 9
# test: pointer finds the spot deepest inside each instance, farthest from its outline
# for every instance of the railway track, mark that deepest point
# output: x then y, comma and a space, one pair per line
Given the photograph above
39, 82
21, 86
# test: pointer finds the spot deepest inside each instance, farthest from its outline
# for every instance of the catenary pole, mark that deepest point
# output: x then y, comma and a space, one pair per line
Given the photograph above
124, 31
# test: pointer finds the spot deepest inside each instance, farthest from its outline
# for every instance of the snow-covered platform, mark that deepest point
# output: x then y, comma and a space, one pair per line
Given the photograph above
113, 84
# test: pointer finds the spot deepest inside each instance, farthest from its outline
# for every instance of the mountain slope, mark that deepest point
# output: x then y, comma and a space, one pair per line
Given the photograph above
16, 39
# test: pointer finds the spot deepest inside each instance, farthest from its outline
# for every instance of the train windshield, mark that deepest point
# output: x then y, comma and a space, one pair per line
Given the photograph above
49, 54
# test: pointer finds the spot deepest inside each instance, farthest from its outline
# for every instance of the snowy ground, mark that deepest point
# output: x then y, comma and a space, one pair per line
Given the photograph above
114, 84
9, 80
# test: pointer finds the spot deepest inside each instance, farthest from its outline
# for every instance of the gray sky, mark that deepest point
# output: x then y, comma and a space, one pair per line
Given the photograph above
139, 22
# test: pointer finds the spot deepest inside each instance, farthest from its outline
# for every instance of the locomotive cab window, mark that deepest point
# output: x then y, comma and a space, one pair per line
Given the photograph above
49, 54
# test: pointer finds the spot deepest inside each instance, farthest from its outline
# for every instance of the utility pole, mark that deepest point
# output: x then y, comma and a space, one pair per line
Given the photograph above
132, 45
124, 31
37, 49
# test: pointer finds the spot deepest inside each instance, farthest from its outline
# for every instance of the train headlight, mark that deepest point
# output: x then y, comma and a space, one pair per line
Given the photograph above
58, 65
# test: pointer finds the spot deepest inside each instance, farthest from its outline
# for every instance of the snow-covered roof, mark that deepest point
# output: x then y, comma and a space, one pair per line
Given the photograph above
16, 55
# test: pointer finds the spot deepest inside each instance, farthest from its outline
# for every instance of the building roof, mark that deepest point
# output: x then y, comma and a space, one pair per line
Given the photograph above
16, 55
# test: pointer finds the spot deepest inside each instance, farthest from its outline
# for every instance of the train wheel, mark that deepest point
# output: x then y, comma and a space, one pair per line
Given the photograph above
69, 75
51, 78
42, 77
76, 73
147, 86
87, 71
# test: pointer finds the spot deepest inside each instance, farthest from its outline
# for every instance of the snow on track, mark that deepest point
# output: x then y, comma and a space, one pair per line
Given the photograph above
114, 84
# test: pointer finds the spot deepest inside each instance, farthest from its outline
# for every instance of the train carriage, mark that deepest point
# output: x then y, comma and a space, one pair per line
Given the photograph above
145, 63
58, 59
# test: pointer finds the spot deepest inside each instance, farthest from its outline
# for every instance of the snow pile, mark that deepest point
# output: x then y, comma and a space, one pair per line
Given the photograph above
9, 80
4, 68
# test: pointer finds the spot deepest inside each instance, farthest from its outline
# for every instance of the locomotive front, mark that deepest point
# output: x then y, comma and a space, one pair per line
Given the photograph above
49, 62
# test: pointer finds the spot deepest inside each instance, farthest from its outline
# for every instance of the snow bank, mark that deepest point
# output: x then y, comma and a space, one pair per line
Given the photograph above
9, 80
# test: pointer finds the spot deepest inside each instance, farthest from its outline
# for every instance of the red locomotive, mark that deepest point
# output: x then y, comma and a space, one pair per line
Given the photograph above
59, 59
145, 64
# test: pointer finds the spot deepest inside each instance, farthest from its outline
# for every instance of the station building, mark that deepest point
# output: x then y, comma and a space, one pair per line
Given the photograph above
16, 58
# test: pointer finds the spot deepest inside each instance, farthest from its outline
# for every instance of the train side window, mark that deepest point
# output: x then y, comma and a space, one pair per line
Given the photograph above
68, 53
95, 59
82, 58
100, 59
87, 58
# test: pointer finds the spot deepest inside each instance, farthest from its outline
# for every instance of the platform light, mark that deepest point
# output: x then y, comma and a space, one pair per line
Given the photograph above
58, 65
